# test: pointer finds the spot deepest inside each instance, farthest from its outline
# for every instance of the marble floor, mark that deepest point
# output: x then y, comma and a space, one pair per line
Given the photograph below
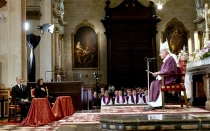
139, 122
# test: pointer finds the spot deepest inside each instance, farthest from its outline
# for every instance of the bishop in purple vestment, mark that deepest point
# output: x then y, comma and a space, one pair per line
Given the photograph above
169, 65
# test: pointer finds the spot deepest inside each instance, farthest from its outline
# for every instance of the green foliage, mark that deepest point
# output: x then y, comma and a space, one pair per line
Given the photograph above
205, 55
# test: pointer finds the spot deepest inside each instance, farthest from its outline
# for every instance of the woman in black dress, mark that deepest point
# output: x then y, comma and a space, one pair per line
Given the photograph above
41, 91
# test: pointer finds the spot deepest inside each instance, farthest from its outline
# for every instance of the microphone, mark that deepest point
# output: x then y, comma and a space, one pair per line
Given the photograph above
149, 59
152, 58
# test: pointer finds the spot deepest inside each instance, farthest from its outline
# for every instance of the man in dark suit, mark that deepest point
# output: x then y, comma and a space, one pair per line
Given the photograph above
21, 94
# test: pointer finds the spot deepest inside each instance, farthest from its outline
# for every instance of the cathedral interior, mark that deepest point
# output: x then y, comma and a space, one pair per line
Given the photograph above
91, 44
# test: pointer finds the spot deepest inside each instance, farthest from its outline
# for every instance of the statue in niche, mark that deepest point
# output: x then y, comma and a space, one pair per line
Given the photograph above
59, 7
176, 34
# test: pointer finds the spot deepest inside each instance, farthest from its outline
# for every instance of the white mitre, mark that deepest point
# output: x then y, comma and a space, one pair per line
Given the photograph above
164, 46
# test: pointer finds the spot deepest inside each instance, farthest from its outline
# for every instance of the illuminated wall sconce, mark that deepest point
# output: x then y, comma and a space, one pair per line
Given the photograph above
2, 16
46, 28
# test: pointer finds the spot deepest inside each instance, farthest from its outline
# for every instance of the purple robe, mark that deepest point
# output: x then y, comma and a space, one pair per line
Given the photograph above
118, 99
169, 66
104, 100
137, 99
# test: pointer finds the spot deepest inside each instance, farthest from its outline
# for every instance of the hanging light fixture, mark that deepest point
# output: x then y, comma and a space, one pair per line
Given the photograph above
159, 3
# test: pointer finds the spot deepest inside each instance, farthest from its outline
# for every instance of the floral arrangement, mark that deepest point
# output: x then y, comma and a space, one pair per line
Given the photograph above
183, 55
200, 55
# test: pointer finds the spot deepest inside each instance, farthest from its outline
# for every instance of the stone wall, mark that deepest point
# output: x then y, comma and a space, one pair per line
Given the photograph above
93, 10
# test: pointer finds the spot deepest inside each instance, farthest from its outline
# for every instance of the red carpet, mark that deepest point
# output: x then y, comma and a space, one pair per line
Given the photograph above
81, 118
169, 109
10, 123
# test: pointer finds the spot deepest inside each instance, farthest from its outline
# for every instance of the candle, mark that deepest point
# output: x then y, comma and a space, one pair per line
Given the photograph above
190, 46
199, 43
196, 40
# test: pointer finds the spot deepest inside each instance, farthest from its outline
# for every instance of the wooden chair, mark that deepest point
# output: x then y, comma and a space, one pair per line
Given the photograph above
33, 93
14, 109
175, 86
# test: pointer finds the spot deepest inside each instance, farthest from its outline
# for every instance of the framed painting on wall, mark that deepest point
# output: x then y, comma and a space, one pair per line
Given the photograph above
85, 47
176, 34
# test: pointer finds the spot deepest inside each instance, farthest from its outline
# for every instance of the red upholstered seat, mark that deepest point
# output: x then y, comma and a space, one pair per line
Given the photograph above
33, 93
176, 86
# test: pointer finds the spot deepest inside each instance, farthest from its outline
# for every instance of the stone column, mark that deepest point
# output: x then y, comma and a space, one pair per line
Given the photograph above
13, 45
57, 47
46, 42
206, 79
61, 58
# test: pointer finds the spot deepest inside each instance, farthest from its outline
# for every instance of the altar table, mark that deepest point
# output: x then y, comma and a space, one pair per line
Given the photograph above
63, 107
40, 113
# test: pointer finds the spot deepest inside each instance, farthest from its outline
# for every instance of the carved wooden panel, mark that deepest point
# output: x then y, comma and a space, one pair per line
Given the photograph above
130, 30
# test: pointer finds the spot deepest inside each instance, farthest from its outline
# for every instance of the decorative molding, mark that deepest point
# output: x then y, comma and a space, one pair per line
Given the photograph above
189, 127
198, 21
2, 3
84, 23
58, 11
175, 21
147, 127
56, 29
33, 15
167, 127
61, 36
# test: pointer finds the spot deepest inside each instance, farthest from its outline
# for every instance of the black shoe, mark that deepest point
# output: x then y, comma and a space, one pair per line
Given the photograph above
160, 107
149, 108
21, 119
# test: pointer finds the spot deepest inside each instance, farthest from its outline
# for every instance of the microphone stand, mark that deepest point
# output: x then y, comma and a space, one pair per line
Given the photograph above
148, 60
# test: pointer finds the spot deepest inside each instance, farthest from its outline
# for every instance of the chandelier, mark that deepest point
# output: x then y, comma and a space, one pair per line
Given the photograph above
159, 3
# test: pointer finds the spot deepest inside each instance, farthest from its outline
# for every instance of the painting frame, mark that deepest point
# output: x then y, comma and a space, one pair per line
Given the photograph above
85, 47
176, 34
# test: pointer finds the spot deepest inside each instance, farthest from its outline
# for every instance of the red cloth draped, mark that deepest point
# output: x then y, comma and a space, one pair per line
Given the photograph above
40, 113
63, 107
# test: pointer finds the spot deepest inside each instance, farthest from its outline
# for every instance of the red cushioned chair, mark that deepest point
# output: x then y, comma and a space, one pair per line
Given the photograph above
14, 109
175, 86
33, 93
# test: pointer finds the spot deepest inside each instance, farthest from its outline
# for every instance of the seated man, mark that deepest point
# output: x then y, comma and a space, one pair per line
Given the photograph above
21, 94
169, 66
58, 79
120, 99
101, 93
133, 98
106, 99
96, 101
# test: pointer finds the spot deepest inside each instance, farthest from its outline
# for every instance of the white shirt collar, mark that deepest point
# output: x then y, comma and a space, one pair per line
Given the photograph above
164, 60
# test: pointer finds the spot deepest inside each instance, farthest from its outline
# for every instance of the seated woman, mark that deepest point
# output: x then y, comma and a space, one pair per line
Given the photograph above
40, 89
41, 92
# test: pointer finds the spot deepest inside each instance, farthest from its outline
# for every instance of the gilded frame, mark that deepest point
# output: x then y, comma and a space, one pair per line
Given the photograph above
176, 34
85, 47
